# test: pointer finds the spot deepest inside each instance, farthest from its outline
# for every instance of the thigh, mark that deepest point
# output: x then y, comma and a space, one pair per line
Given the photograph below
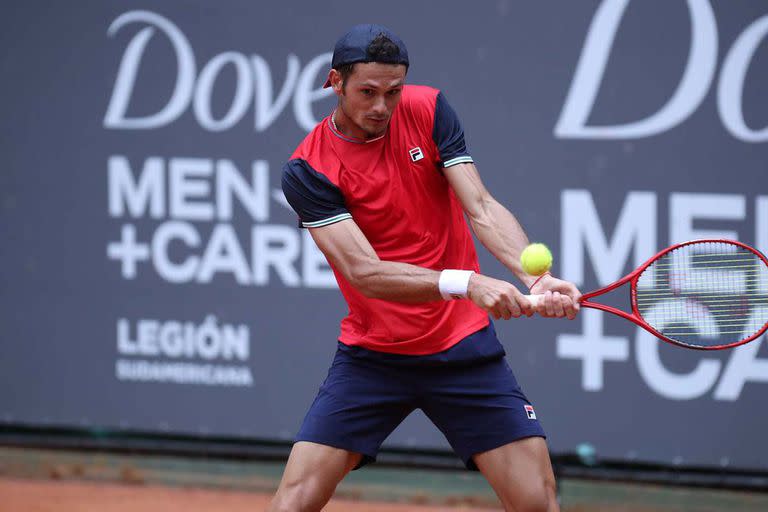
358, 406
521, 474
479, 408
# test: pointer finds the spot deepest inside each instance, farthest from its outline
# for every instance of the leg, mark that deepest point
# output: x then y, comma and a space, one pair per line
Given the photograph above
357, 407
311, 475
493, 427
521, 475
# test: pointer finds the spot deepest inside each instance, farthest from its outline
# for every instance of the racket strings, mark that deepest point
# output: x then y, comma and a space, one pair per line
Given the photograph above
652, 298
705, 294
655, 295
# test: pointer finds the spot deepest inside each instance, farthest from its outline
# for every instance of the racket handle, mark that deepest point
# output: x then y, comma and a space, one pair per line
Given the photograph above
534, 299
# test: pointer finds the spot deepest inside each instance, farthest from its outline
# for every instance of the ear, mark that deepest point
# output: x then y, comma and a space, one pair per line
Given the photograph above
336, 81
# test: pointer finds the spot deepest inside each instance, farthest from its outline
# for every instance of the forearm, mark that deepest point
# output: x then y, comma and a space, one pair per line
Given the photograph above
401, 282
397, 282
500, 232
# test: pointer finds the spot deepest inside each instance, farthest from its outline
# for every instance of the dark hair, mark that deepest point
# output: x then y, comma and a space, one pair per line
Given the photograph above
382, 49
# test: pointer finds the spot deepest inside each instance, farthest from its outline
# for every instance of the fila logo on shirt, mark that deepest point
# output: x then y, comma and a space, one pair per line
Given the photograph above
530, 412
416, 154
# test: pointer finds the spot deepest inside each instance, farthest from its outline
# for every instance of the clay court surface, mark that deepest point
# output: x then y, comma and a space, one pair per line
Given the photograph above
35, 480
47, 496
20, 495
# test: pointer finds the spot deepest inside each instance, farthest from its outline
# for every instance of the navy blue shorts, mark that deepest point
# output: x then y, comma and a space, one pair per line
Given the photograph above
467, 391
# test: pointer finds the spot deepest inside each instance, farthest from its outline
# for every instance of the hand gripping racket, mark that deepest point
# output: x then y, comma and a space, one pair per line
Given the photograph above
703, 294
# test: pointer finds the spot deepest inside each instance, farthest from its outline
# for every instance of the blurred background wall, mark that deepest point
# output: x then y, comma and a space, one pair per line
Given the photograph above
153, 279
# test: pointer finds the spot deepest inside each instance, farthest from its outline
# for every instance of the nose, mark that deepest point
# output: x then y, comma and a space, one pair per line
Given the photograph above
379, 107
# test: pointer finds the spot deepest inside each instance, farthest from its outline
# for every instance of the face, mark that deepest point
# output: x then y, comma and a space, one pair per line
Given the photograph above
368, 97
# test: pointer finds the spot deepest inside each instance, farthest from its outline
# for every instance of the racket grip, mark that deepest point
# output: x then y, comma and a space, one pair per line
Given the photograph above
534, 299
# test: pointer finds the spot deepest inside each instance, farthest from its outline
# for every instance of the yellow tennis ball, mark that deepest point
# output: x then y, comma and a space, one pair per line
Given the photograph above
536, 259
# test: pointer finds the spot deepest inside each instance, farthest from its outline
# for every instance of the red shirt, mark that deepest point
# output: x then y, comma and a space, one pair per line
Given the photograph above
395, 191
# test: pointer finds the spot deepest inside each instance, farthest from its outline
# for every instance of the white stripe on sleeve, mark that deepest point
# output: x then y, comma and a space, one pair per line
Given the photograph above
328, 221
458, 160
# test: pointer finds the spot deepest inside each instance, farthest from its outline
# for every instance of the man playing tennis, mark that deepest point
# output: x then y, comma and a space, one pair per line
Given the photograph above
383, 184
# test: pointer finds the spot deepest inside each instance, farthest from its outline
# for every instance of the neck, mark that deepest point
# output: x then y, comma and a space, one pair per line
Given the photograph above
344, 126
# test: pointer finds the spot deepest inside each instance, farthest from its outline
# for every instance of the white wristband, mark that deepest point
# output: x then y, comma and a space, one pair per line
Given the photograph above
453, 284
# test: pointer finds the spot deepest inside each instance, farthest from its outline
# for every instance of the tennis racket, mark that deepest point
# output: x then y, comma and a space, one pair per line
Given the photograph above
703, 294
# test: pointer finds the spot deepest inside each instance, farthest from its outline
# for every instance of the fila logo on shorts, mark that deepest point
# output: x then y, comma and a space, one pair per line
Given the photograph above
416, 154
530, 412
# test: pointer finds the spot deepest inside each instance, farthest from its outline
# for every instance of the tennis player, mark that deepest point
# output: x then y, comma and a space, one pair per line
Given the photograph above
383, 185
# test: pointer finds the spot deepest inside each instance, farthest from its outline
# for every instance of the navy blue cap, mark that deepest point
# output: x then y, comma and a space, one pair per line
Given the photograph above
352, 47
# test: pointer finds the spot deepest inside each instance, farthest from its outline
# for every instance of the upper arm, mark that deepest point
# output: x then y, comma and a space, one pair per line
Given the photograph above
459, 168
448, 134
346, 248
321, 208
468, 187
315, 199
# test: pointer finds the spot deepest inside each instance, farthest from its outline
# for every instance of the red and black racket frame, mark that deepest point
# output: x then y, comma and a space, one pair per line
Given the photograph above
637, 318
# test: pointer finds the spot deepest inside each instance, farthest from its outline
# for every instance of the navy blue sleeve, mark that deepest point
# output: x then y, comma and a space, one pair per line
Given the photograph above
448, 134
316, 200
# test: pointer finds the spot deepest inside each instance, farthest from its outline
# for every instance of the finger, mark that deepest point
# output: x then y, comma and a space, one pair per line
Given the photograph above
501, 308
548, 303
509, 303
526, 306
570, 307
491, 307
574, 294
514, 308
505, 310
557, 304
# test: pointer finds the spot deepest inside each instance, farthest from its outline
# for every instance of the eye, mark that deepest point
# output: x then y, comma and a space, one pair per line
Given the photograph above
367, 92
393, 92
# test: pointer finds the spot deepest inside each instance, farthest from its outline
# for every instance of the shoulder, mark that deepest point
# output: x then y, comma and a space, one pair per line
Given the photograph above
420, 95
316, 154
419, 98
417, 106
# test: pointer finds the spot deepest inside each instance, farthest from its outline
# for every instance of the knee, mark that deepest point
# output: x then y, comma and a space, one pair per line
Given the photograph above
530, 502
300, 496
538, 496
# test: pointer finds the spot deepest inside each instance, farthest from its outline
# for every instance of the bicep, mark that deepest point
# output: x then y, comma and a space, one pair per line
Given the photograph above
346, 248
469, 188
